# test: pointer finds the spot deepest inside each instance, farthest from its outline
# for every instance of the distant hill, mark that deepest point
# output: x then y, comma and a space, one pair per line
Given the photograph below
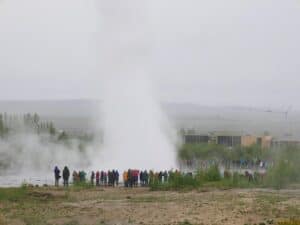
72, 115
61, 108
79, 114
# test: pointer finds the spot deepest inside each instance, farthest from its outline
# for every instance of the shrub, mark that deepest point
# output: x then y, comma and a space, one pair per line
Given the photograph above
82, 185
177, 181
227, 174
188, 181
212, 174
285, 170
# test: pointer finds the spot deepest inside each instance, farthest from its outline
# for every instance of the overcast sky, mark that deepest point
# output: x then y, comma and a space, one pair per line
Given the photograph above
234, 52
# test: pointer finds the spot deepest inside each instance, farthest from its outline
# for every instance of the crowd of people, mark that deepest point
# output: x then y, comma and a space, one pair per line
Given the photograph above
131, 177
230, 164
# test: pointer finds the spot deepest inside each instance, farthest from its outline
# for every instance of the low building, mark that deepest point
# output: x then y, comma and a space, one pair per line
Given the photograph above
228, 139
248, 140
262, 141
196, 139
265, 141
286, 142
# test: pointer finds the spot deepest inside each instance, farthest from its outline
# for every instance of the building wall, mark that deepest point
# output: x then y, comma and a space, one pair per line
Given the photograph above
266, 141
229, 141
196, 139
285, 143
248, 140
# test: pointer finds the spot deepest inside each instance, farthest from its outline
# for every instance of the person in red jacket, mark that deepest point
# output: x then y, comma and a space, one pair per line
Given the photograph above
97, 178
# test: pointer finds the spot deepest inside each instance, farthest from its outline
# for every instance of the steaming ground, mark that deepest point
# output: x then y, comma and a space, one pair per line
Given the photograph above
30, 157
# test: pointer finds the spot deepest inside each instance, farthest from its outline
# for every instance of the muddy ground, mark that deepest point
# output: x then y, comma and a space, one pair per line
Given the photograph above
111, 206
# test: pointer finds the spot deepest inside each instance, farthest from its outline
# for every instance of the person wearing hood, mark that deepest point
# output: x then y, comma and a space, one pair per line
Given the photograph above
97, 178
57, 176
92, 178
66, 175
117, 177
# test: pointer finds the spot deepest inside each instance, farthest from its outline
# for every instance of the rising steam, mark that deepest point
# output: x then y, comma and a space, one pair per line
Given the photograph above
29, 153
135, 129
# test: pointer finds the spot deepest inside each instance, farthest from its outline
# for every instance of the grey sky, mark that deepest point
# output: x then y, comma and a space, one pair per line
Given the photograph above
209, 52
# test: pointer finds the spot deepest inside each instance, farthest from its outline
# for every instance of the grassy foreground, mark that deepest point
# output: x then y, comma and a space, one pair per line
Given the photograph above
87, 206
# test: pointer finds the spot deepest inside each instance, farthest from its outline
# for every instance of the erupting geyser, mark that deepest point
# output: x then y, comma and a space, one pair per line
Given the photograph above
136, 133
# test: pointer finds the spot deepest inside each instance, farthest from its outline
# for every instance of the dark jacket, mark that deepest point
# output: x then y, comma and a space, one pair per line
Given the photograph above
57, 173
66, 173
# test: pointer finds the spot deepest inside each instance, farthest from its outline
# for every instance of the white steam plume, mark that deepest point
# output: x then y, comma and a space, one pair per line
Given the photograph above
135, 129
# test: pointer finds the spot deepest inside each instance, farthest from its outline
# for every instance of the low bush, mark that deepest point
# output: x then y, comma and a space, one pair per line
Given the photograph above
285, 170
205, 178
212, 174
13, 194
82, 185
176, 182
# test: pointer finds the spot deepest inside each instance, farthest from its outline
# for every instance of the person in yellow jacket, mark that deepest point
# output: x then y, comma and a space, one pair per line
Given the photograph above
125, 178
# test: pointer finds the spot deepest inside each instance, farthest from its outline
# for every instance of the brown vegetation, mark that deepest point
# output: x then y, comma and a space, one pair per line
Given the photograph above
140, 206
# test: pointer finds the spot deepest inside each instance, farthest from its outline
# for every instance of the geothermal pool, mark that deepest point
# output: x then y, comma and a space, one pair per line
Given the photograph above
17, 180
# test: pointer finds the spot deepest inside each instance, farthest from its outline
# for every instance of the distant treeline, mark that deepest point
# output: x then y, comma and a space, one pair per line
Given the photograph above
14, 123
32, 122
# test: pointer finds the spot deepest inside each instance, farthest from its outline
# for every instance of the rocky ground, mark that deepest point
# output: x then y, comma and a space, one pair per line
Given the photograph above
78, 206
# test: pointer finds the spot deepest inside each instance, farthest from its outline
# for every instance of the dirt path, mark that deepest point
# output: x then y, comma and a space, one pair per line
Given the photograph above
141, 206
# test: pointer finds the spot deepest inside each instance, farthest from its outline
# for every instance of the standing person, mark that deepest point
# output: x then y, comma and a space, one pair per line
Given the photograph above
66, 175
136, 177
125, 178
92, 178
146, 178
129, 178
117, 177
57, 176
75, 177
160, 176
82, 175
113, 178
151, 176
102, 177
97, 178
142, 178
105, 178
165, 174
109, 177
